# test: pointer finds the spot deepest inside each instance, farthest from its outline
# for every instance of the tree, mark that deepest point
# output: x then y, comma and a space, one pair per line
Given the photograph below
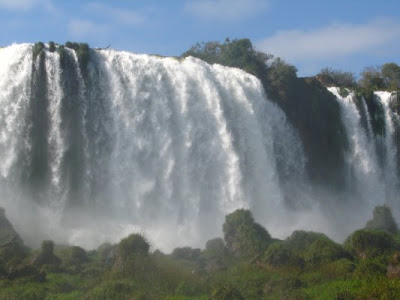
371, 79
135, 244
330, 77
391, 76
238, 53
382, 220
243, 236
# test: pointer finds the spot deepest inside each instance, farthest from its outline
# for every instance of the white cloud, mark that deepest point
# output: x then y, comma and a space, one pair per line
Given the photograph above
83, 29
26, 5
331, 42
225, 10
116, 15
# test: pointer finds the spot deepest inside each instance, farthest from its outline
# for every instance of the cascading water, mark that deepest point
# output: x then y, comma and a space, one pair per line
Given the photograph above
361, 157
371, 157
389, 149
136, 142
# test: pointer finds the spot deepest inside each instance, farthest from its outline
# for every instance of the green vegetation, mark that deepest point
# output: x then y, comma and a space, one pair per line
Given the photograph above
37, 49
243, 236
306, 265
82, 51
331, 77
247, 263
382, 220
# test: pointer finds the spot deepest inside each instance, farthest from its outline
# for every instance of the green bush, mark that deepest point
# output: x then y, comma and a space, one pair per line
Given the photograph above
338, 78
370, 243
47, 257
243, 236
187, 253
52, 46
226, 292
315, 248
215, 248
37, 49
382, 220
113, 290
74, 257
135, 244
279, 254
369, 267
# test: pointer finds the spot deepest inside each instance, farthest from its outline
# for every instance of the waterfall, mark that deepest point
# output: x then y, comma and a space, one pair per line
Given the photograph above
136, 142
371, 157
364, 175
389, 149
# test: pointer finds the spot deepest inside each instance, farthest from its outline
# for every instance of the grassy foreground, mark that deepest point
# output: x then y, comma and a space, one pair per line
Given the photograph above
246, 264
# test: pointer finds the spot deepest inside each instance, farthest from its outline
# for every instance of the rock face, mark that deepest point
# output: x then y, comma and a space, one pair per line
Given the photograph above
8, 235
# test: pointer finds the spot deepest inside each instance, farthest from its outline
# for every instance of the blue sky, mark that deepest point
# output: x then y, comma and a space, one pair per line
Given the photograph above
311, 34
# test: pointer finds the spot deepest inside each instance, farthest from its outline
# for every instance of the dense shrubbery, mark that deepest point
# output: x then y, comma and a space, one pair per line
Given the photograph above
307, 265
382, 220
370, 243
331, 77
243, 236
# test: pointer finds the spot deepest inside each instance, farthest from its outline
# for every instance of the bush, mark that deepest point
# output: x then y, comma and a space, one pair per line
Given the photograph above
315, 248
75, 257
187, 253
391, 76
371, 79
338, 78
226, 292
243, 236
135, 244
279, 255
47, 257
37, 49
52, 46
382, 220
215, 248
113, 290
369, 267
370, 243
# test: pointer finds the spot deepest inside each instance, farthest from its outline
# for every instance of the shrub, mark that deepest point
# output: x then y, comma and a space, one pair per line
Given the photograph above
47, 257
135, 244
187, 253
52, 46
370, 243
76, 256
279, 255
369, 267
37, 49
82, 52
371, 79
243, 236
338, 78
113, 290
391, 76
226, 292
215, 248
382, 220
315, 248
